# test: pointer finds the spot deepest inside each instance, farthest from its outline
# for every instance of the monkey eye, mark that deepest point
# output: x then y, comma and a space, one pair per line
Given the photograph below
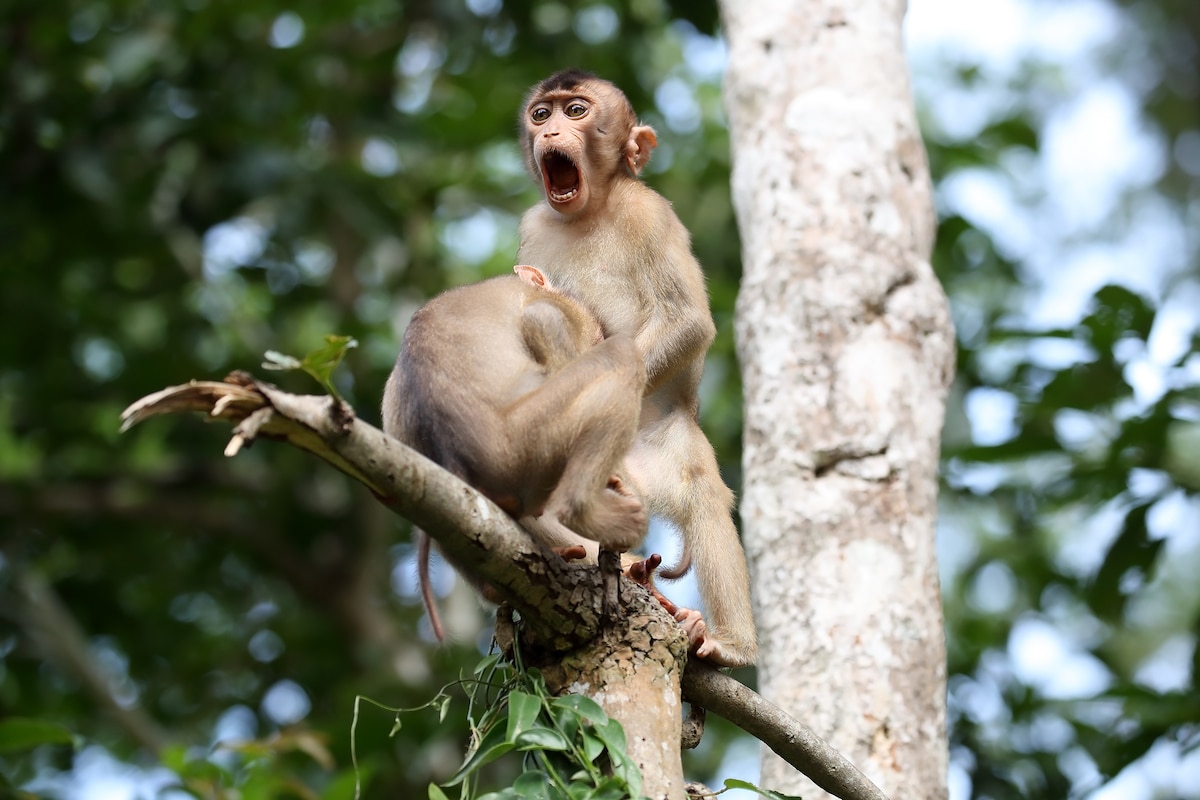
575, 110
540, 114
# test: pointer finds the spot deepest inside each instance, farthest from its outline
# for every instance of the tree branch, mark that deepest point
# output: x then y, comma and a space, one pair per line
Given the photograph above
472, 530
59, 637
793, 741
559, 600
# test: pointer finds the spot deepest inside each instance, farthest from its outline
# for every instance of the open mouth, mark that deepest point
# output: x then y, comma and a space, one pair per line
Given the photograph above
561, 177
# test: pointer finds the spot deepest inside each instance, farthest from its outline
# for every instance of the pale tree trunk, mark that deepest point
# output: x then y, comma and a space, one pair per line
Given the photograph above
846, 349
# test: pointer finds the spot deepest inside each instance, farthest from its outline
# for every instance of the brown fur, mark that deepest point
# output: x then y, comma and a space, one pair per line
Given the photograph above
508, 385
616, 245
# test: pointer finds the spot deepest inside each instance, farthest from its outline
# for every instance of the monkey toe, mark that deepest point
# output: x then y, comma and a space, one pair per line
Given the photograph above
693, 625
709, 644
642, 572
575, 552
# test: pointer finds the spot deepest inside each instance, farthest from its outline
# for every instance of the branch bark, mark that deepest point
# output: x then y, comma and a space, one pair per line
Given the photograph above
638, 654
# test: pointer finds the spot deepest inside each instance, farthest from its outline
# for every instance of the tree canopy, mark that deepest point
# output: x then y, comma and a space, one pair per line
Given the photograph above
184, 186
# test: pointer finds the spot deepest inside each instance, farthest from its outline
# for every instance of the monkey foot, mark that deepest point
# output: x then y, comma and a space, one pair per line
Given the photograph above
706, 644
700, 641
575, 552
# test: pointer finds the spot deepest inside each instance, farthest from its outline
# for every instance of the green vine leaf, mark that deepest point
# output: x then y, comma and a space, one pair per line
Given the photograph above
319, 363
733, 783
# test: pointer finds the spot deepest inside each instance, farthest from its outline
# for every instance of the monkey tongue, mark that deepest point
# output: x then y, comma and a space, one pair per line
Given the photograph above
561, 177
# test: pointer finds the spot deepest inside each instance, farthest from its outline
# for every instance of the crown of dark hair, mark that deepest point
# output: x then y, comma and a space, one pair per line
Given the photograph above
565, 80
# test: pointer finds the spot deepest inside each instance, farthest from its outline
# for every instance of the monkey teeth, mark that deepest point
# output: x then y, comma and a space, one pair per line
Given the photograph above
561, 178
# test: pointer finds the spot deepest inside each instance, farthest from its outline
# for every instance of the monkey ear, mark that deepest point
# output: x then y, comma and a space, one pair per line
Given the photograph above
642, 141
531, 275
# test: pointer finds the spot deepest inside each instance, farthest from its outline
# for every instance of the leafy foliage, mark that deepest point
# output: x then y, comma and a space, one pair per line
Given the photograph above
1069, 508
184, 186
318, 364
569, 746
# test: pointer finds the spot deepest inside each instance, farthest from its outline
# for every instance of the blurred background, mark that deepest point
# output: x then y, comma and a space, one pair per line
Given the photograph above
186, 184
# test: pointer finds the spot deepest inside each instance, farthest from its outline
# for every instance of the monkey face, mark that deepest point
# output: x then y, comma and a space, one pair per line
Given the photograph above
560, 130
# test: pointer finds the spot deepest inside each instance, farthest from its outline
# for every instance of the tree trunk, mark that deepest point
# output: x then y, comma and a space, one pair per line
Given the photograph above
847, 350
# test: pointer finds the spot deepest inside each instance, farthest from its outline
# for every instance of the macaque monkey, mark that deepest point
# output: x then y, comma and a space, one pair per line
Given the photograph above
614, 244
513, 388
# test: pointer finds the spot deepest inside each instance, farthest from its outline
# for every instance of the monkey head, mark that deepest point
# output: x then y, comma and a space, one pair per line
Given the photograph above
580, 137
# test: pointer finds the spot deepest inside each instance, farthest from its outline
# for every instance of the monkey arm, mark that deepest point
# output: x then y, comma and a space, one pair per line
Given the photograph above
670, 345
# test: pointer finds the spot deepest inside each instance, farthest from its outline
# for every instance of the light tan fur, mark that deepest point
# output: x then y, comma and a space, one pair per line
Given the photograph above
509, 385
616, 245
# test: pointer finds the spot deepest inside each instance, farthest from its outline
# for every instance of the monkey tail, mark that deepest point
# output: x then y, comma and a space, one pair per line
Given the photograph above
435, 620
680, 569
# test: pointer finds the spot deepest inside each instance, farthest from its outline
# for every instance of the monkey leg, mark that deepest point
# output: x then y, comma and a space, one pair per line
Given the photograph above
678, 473
584, 417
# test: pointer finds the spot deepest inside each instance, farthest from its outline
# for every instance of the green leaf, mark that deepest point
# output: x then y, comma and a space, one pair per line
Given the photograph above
610, 788
1090, 385
174, 757
733, 783
486, 664
583, 705
436, 793
535, 681
492, 747
21, 733
503, 794
613, 736
568, 723
579, 791
592, 746
523, 710
532, 785
541, 738
319, 363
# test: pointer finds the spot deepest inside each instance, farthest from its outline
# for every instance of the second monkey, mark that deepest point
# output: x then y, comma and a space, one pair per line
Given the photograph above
616, 245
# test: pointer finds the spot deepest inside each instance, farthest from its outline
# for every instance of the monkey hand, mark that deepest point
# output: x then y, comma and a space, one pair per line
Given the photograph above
617, 519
